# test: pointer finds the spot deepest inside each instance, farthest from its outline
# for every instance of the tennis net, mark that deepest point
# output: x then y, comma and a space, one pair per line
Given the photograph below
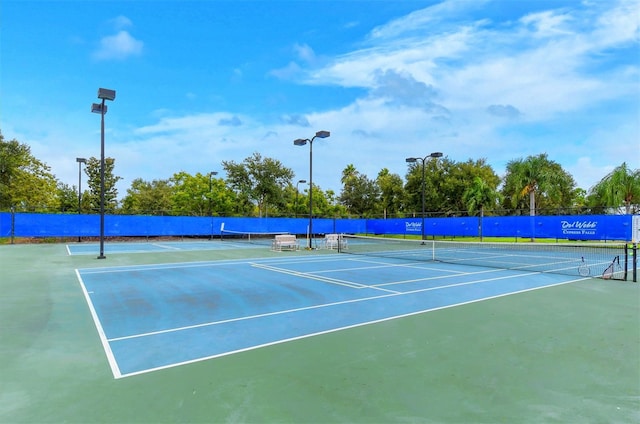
262, 238
609, 261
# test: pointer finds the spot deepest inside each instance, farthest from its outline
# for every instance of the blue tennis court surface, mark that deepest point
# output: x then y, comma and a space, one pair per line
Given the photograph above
160, 246
159, 316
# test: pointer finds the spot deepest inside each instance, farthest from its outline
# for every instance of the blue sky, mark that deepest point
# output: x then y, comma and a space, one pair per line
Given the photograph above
199, 82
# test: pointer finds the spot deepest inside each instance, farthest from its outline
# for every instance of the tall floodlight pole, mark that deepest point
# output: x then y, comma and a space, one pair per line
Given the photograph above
302, 142
101, 108
295, 208
423, 160
80, 162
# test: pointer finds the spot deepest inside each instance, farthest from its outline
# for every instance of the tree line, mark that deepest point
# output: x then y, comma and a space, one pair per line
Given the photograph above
262, 186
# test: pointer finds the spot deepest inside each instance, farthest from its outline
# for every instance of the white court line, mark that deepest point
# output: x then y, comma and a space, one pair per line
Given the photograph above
412, 265
166, 247
312, 276
309, 275
103, 337
197, 264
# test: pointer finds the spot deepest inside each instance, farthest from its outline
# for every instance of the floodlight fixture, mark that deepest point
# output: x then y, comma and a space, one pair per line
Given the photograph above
99, 108
300, 142
106, 94
323, 134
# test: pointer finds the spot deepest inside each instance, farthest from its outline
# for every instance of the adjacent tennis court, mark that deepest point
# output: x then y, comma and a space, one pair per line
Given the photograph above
156, 246
227, 331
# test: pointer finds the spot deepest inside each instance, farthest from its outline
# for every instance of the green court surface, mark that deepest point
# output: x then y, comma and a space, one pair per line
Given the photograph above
568, 354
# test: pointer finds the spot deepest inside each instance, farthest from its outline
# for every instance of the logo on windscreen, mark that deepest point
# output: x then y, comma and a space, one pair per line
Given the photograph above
579, 227
413, 226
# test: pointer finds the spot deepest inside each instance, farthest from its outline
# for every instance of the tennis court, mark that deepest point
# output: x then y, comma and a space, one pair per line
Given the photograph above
153, 317
231, 332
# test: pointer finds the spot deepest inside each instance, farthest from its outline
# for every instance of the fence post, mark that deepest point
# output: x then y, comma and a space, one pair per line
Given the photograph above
13, 223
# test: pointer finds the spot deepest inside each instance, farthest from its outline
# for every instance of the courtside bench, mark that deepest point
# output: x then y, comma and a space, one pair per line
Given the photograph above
334, 241
285, 242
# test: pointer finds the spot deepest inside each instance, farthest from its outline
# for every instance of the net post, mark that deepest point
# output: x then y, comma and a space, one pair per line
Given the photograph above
433, 250
635, 262
626, 261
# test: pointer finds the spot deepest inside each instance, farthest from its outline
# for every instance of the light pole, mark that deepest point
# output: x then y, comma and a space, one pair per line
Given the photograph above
211, 174
295, 208
423, 160
101, 108
80, 162
302, 142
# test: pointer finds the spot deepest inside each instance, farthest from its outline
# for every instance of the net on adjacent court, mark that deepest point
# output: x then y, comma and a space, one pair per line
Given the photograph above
607, 261
263, 238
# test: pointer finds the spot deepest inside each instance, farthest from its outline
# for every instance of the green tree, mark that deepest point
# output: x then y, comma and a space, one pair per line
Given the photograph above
435, 199
391, 192
325, 204
92, 197
298, 200
478, 196
618, 189
67, 197
144, 197
579, 202
190, 194
456, 180
260, 180
359, 195
26, 183
539, 180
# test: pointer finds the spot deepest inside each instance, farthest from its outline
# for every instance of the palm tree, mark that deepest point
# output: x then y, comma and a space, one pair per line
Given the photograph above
537, 176
619, 188
347, 173
479, 195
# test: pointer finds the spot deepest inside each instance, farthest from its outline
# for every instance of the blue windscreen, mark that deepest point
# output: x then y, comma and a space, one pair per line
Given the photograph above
573, 227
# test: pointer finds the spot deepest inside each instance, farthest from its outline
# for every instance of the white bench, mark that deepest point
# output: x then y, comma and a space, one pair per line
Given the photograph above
285, 241
334, 241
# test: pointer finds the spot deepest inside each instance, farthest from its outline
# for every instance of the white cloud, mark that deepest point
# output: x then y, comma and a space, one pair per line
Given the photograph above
121, 22
546, 24
619, 24
118, 46
304, 52
288, 72
430, 17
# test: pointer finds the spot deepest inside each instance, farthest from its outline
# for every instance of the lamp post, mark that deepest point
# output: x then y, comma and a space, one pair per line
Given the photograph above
101, 108
211, 174
295, 208
423, 160
302, 142
80, 162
